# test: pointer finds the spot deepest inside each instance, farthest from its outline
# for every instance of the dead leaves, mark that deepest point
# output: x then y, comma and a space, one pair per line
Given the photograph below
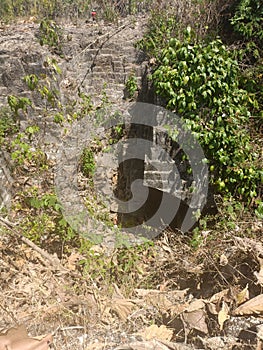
223, 315
18, 339
122, 307
196, 320
155, 332
118, 306
252, 306
194, 317
153, 344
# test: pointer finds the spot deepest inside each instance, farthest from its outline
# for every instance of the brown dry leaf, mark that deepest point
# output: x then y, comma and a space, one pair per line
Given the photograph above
253, 306
212, 308
242, 296
259, 274
214, 302
155, 332
178, 309
196, 304
223, 260
223, 315
153, 344
18, 339
117, 305
249, 244
162, 300
219, 296
122, 307
73, 260
196, 320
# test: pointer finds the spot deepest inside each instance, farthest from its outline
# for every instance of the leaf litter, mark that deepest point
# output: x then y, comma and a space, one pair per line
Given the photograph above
176, 314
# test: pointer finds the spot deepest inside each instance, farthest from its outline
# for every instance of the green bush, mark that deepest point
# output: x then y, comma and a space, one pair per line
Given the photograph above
87, 162
200, 82
248, 20
161, 27
8, 123
131, 86
51, 34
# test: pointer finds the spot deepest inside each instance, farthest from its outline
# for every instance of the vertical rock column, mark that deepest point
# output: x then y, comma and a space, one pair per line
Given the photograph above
5, 183
131, 168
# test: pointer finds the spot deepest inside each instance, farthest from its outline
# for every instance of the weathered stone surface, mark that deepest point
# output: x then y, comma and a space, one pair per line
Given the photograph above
6, 182
98, 59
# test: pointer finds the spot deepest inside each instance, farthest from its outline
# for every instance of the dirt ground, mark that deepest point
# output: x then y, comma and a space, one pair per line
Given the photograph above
169, 295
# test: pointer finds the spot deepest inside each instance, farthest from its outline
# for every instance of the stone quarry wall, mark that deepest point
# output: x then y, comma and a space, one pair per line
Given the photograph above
6, 182
97, 60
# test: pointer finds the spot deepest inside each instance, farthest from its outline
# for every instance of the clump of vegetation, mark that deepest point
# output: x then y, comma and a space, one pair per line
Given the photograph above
44, 224
247, 20
200, 83
203, 81
24, 153
51, 34
8, 124
74, 9
87, 162
17, 104
131, 86
126, 266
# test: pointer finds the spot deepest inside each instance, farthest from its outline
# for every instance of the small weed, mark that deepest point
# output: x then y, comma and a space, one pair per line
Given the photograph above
105, 98
8, 125
51, 34
18, 103
98, 209
44, 221
259, 210
23, 152
131, 86
85, 105
87, 162
197, 239
59, 118
126, 266
116, 133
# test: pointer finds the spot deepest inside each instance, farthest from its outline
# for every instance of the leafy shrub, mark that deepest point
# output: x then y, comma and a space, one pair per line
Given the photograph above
18, 103
131, 86
22, 151
45, 223
161, 27
8, 124
51, 34
87, 162
200, 82
248, 19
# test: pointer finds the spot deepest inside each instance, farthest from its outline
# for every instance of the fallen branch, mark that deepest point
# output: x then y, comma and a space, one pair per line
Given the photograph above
48, 259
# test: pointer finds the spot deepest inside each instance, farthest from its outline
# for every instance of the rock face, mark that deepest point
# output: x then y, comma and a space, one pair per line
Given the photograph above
172, 172
96, 60
106, 61
6, 182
